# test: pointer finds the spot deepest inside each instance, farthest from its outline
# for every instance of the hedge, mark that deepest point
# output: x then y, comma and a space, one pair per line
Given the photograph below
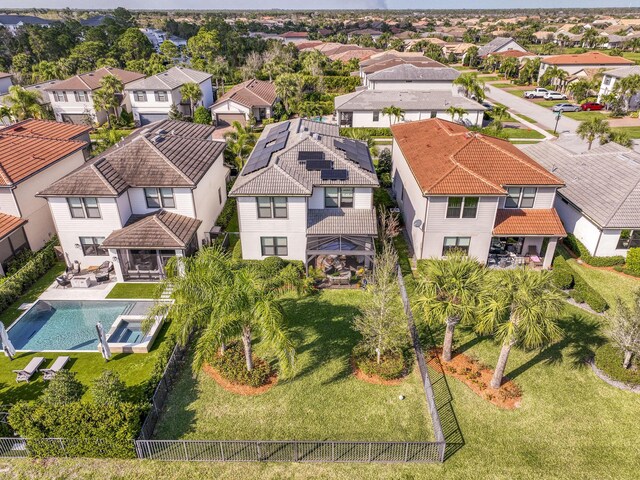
371, 131
341, 83
579, 249
608, 358
565, 278
562, 273
26, 276
227, 213
633, 261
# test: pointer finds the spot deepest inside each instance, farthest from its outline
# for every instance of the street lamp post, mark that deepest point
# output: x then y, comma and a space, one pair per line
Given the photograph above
558, 116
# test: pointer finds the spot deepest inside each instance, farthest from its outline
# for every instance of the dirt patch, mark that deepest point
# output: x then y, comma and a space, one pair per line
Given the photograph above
477, 377
375, 379
236, 387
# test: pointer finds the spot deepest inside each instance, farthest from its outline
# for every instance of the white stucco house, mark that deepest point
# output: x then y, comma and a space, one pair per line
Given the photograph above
499, 45
609, 79
461, 190
151, 98
33, 153
251, 98
600, 203
5, 82
14, 22
72, 99
154, 196
577, 64
306, 193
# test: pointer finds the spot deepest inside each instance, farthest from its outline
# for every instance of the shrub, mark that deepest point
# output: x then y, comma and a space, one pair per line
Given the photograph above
589, 294
341, 83
385, 180
108, 388
579, 249
565, 277
236, 254
576, 295
19, 261
63, 389
633, 261
392, 365
271, 266
562, 273
227, 213
384, 161
233, 367
608, 358
202, 115
162, 358
370, 131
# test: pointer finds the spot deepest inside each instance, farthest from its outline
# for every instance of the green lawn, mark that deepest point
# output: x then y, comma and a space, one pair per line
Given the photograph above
133, 290
633, 132
501, 85
582, 116
323, 401
31, 295
234, 224
521, 133
490, 78
528, 119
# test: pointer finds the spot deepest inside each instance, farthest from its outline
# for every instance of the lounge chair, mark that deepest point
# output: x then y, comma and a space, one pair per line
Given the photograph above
106, 266
27, 372
49, 373
63, 281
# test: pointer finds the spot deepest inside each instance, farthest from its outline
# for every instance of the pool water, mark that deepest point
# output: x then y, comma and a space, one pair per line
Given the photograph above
58, 325
127, 332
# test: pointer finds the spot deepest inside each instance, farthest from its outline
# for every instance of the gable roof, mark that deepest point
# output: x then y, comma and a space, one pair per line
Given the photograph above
9, 224
588, 58
409, 71
495, 44
25, 19
252, 93
168, 153
32, 145
171, 79
447, 159
91, 80
603, 183
368, 100
624, 72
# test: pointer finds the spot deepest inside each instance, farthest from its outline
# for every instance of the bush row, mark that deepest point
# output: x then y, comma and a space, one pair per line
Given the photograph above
227, 213
579, 249
566, 278
341, 83
371, 131
633, 261
26, 276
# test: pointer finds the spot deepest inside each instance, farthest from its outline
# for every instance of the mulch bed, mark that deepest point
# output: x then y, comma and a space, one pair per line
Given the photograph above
375, 379
477, 377
236, 387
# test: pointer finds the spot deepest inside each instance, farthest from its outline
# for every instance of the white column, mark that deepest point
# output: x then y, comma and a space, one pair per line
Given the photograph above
117, 266
551, 250
180, 262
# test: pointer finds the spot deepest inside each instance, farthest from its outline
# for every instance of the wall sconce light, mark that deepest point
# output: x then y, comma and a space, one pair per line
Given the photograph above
77, 245
115, 258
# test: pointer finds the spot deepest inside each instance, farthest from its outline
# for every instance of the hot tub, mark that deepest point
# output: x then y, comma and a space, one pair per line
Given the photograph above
126, 336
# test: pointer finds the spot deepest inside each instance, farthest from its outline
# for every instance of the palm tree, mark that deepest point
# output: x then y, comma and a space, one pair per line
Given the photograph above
456, 112
107, 96
593, 128
471, 85
449, 290
556, 76
499, 112
521, 310
394, 113
5, 114
240, 143
627, 87
191, 91
24, 103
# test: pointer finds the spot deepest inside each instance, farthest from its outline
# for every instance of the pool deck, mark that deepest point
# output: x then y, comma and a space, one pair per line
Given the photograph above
94, 292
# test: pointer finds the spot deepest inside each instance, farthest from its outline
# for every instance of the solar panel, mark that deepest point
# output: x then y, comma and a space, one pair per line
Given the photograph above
314, 165
304, 156
334, 174
273, 142
357, 152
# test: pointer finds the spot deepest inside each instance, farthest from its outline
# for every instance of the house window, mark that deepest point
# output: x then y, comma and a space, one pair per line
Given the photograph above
338, 197
60, 96
86, 207
456, 243
434, 114
159, 197
462, 207
376, 116
272, 207
140, 96
161, 96
606, 80
520, 197
80, 96
274, 246
629, 239
91, 246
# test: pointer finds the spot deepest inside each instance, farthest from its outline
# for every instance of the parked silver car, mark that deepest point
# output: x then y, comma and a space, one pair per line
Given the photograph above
555, 96
566, 107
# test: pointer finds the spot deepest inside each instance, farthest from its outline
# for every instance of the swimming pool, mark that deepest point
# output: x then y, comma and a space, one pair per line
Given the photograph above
127, 332
62, 325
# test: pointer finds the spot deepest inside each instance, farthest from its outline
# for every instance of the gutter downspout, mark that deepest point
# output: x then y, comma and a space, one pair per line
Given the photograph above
424, 226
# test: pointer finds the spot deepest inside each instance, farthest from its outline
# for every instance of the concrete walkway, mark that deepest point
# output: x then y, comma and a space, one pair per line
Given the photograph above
543, 116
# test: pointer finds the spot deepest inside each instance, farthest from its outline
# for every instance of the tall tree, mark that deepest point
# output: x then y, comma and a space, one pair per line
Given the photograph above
24, 103
593, 128
191, 91
522, 309
626, 88
624, 328
459, 112
134, 45
107, 97
471, 86
169, 50
240, 143
394, 113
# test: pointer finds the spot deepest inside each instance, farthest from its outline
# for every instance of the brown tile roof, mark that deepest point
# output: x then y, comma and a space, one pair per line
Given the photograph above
295, 35
360, 54
447, 159
158, 230
30, 146
91, 80
588, 58
528, 221
512, 53
308, 45
9, 224
4, 74
252, 93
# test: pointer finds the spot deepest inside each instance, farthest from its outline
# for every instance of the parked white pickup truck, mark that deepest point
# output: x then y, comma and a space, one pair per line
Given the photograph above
536, 93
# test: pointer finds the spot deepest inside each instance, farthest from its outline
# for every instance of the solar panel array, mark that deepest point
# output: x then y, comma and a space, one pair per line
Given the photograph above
305, 156
357, 152
273, 142
334, 174
313, 165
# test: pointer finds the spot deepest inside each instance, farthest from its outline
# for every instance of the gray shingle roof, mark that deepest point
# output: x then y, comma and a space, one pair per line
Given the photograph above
494, 45
603, 183
339, 221
624, 72
369, 100
173, 78
408, 71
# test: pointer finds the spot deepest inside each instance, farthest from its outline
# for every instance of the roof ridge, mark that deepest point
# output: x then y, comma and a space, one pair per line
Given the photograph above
468, 170
632, 190
93, 167
164, 226
169, 162
295, 180
5, 176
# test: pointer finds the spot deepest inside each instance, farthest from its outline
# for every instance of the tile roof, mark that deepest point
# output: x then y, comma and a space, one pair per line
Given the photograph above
514, 54
91, 80
528, 221
9, 224
4, 74
624, 72
447, 159
168, 153
173, 78
407, 100
408, 71
602, 183
252, 93
342, 221
588, 58
32, 145
422, 62
157, 230
495, 44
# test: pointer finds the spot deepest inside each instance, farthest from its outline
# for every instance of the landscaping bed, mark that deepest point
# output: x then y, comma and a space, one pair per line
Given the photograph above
608, 359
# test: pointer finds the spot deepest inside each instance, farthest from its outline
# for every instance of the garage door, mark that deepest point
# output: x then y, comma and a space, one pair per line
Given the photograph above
147, 118
224, 119
76, 118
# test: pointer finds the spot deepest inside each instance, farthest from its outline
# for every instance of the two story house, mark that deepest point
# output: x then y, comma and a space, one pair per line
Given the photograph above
155, 195
253, 98
458, 189
72, 99
307, 193
32, 154
151, 98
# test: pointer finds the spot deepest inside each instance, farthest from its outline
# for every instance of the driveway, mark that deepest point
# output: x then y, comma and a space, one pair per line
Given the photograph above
543, 116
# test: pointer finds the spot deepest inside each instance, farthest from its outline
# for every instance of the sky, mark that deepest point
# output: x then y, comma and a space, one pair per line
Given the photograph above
306, 4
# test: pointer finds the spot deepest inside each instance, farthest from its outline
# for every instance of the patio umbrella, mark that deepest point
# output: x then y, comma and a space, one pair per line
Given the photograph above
102, 339
7, 346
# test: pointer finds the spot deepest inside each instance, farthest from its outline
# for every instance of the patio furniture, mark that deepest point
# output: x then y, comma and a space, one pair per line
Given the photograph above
63, 281
102, 277
535, 260
27, 372
81, 281
49, 373
106, 266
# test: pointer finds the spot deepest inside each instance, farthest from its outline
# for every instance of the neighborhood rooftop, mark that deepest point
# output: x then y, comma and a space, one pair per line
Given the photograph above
252, 93
407, 100
91, 80
408, 71
588, 58
172, 78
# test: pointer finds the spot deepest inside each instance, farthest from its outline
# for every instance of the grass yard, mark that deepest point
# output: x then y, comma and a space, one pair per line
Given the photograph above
323, 401
521, 133
583, 116
31, 295
528, 119
133, 290
501, 85
234, 224
633, 132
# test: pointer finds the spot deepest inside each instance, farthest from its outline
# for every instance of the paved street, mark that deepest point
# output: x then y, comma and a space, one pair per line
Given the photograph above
544, 116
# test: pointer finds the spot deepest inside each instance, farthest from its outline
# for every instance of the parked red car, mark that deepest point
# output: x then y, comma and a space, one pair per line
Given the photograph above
591, 106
